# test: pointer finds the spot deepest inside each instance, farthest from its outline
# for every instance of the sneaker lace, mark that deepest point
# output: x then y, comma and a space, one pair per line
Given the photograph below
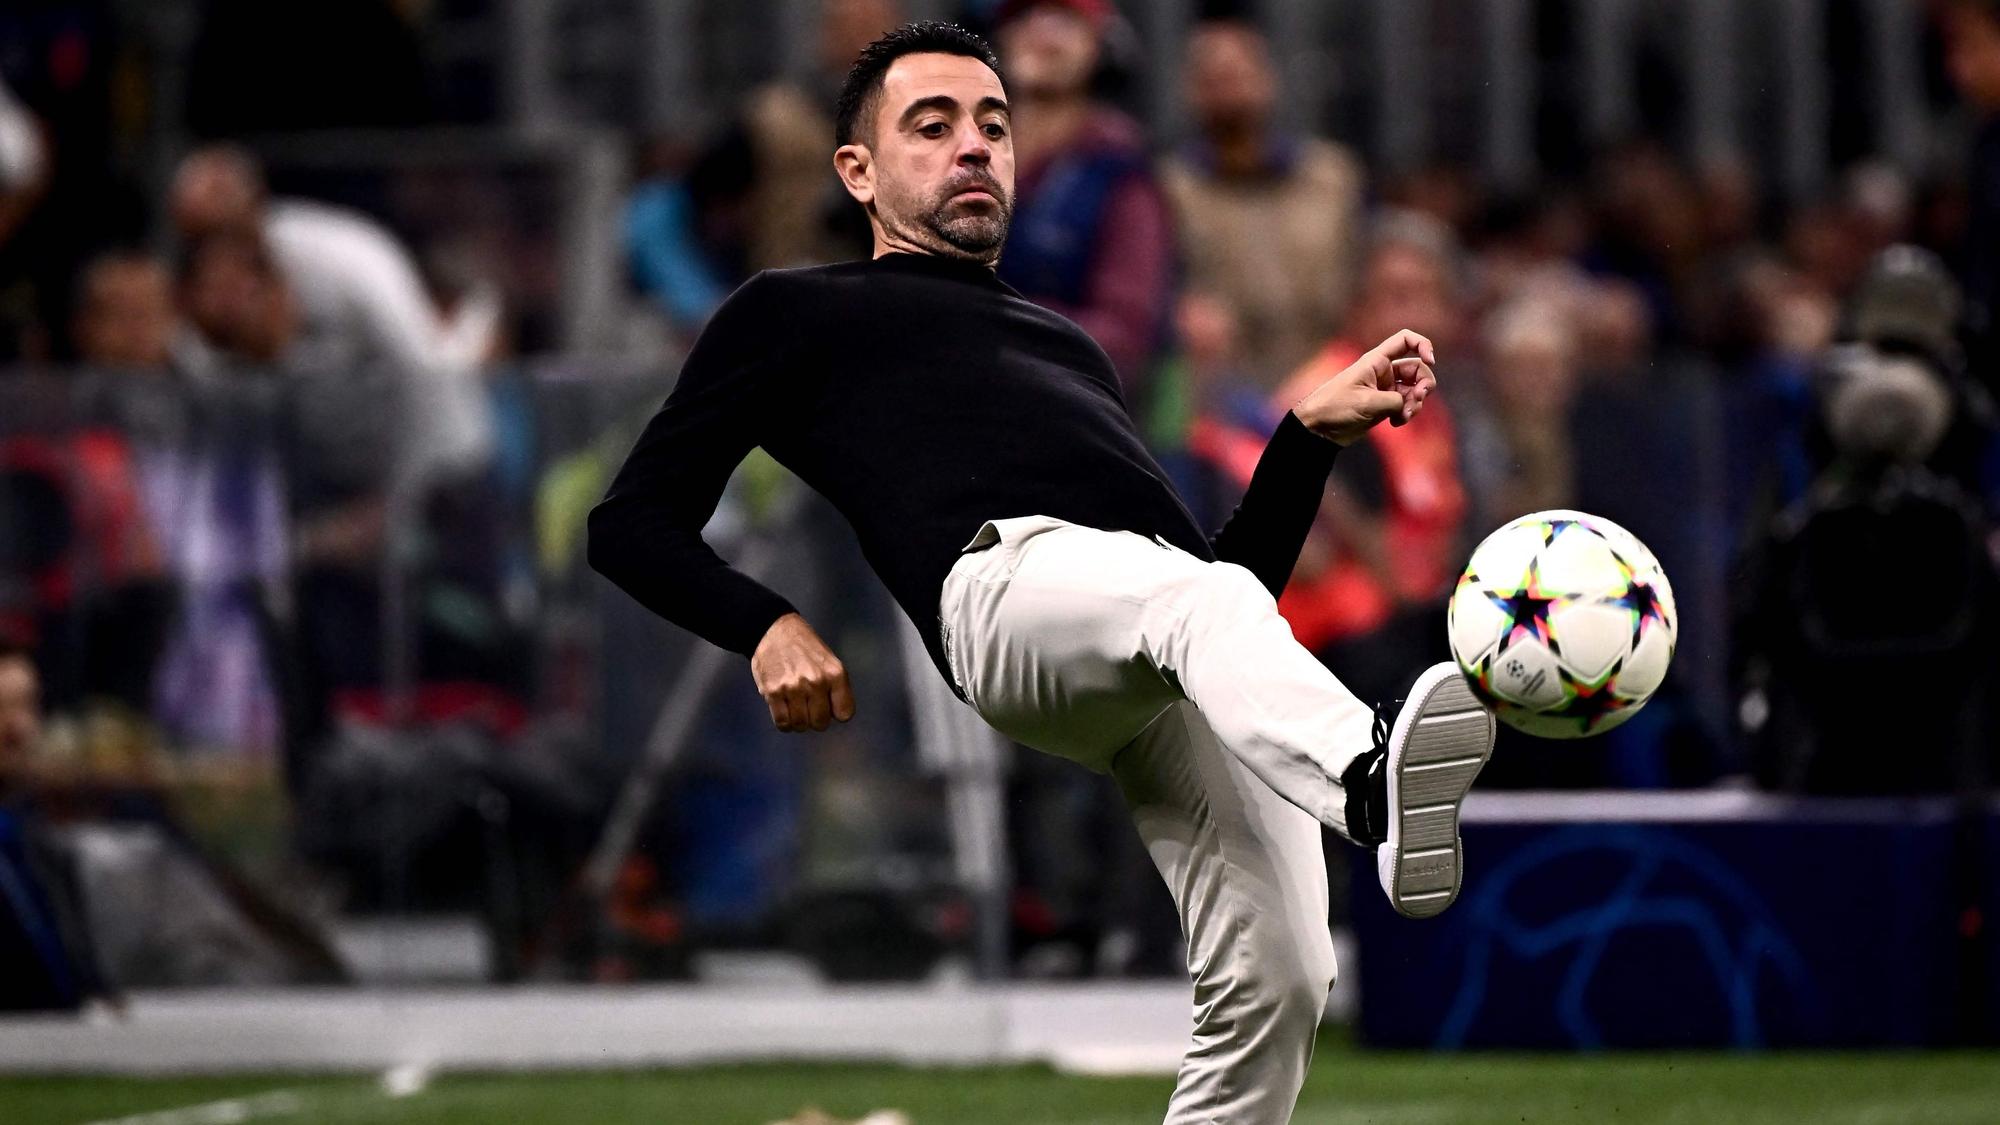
1385, 721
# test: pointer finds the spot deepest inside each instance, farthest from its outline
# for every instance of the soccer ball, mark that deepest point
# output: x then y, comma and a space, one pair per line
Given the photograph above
1563, 623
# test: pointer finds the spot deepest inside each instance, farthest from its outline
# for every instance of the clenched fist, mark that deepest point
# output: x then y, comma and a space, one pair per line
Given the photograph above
801, 680
1389, 382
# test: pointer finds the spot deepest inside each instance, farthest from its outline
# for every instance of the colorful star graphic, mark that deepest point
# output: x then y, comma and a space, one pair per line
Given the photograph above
1553, 528
1592, 702
1644, 602
1527, 610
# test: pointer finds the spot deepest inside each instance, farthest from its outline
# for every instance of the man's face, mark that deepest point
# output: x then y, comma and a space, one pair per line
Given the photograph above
238, 303
1049, 51
938, 166
1972, 51
1230, 85
20, 710
127, 319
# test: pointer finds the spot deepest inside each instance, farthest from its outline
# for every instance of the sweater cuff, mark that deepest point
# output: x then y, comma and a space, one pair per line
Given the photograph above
756, 619
1298, 450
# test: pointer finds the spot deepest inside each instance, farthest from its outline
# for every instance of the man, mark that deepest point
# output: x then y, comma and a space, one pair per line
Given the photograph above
979, 447
360, 304
1268, 222
1092, 236
125, 314
1373, 605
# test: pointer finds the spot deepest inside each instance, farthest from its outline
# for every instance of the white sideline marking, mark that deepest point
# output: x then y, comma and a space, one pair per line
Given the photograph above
228, 1111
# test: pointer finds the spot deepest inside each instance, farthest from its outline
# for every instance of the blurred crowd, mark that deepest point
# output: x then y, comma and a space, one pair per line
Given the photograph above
226, 405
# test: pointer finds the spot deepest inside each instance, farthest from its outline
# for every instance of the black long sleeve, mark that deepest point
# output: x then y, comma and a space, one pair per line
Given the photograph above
646, 535
922, 397
1268, 529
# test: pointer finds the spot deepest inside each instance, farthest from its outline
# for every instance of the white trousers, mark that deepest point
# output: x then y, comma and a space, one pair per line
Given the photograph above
1227, 740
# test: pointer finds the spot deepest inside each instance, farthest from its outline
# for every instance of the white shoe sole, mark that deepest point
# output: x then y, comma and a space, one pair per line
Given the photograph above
1441, 739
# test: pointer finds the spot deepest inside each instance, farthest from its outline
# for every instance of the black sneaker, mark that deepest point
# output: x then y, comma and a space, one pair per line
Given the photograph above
1440, 740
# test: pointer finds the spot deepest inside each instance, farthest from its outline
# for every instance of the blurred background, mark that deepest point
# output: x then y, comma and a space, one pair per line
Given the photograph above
322, 325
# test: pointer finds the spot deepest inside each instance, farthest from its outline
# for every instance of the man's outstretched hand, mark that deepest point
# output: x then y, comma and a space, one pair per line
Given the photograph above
1391, 381
801, 680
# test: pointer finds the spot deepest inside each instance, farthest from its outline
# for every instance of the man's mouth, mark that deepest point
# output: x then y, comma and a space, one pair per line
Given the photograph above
976, 191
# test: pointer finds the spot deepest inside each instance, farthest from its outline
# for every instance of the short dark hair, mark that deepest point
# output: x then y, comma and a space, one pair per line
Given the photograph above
864, 78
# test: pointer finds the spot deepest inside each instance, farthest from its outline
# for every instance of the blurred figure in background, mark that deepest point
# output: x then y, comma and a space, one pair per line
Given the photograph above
20, 709
1368, 595
1890, 492
1092, 237
360, 303
125, 314
761, 195
1267, 221
1972, 36
1518, 456
46, 959
798, 216
80, 570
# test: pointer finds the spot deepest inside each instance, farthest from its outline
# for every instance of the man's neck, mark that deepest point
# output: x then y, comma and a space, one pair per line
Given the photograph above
886, 244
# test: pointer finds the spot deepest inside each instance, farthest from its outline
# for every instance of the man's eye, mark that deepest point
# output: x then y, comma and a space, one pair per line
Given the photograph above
934, 129
995, 130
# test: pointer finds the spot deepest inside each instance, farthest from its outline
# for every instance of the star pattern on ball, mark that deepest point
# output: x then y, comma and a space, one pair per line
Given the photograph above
1551, 529
1592, 702
1648, 612
1527, 610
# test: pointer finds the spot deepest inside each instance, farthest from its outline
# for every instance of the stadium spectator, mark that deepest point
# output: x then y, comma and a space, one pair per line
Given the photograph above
670, 261
241, 308
1648, 228
1092, 236
1368, 594
1768, 329
798, 216
760, 196
1267, 220
46, 958
20, 709
1518, 456
1972, 33
125, 314
360, 304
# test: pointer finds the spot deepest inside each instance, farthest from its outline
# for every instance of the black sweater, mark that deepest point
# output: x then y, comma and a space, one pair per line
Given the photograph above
922, 396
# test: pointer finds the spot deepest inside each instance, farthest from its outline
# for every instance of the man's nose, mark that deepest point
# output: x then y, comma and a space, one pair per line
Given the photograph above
975, 149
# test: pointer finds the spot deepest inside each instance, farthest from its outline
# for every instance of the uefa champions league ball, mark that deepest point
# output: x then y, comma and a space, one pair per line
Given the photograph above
1563, 623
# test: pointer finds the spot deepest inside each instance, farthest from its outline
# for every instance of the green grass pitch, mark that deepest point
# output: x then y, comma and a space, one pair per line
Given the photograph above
1347, 1087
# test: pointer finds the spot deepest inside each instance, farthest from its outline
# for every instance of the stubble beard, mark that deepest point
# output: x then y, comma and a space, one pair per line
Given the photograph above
954, 232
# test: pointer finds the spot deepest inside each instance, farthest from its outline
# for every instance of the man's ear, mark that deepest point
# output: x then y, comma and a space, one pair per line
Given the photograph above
856, 168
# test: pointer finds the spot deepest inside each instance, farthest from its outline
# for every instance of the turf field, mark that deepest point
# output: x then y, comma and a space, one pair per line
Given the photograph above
1348, 1087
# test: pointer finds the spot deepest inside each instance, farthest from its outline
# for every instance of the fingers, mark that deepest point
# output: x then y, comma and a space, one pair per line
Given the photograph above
1408, 344
1384, 404
811, 699
843, 697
